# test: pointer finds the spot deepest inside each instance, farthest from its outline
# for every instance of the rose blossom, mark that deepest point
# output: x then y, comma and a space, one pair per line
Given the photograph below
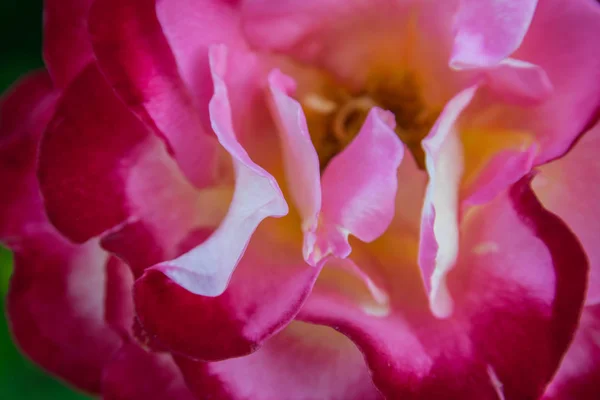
308, 199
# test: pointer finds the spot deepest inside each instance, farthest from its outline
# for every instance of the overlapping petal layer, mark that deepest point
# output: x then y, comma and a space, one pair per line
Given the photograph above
135, 57
176, 101
55, 302
265, 291
515, 311
117, 175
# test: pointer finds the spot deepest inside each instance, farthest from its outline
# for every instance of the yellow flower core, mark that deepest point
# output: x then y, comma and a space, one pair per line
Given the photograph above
336, 114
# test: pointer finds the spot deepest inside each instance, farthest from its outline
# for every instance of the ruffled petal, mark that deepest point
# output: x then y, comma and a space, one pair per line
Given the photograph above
67, 48
439, 225
488, 31
579, 372
549, 289
302, 362
56, 308
569, 188
266, 291
135, 57
118, 174
134, 374
206, 269
359, 189
518, 288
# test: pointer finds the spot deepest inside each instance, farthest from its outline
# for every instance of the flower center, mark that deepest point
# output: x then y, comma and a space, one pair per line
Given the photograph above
336, 114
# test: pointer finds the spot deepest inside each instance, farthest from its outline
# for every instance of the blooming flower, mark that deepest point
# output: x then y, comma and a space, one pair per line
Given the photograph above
308, 200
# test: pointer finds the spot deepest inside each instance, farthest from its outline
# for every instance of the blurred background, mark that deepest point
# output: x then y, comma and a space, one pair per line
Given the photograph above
20, 51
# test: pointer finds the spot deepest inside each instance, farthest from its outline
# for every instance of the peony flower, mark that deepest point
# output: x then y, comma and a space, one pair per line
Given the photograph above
308, 199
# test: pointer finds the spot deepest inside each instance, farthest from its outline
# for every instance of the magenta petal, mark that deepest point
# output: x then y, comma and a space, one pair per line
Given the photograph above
267, 289
489, 31
119, 311
24, 112
301, 362
135, 57
134, 374
67, 47
80, 196
56, 308
359, 189
56, 299
439, 224
548, 278
117, 173
569, 188
579, 372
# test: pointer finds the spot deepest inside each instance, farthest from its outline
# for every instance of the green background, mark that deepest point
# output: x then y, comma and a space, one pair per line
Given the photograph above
20, 51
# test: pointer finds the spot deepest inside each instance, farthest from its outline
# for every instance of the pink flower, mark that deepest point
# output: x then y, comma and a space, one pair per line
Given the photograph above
309, 199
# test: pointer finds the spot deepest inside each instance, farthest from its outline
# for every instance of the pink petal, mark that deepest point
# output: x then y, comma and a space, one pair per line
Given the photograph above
302, 362
489, 31
503, 169
206, 269
25, 111
117, 174
299, 155
359, 189
412, 183
135, 57
268, 287
439, 226
67, 48
191, 27
515, 311
56, 308
135, 374
559, 33
519, 81
569, 188
577, 377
